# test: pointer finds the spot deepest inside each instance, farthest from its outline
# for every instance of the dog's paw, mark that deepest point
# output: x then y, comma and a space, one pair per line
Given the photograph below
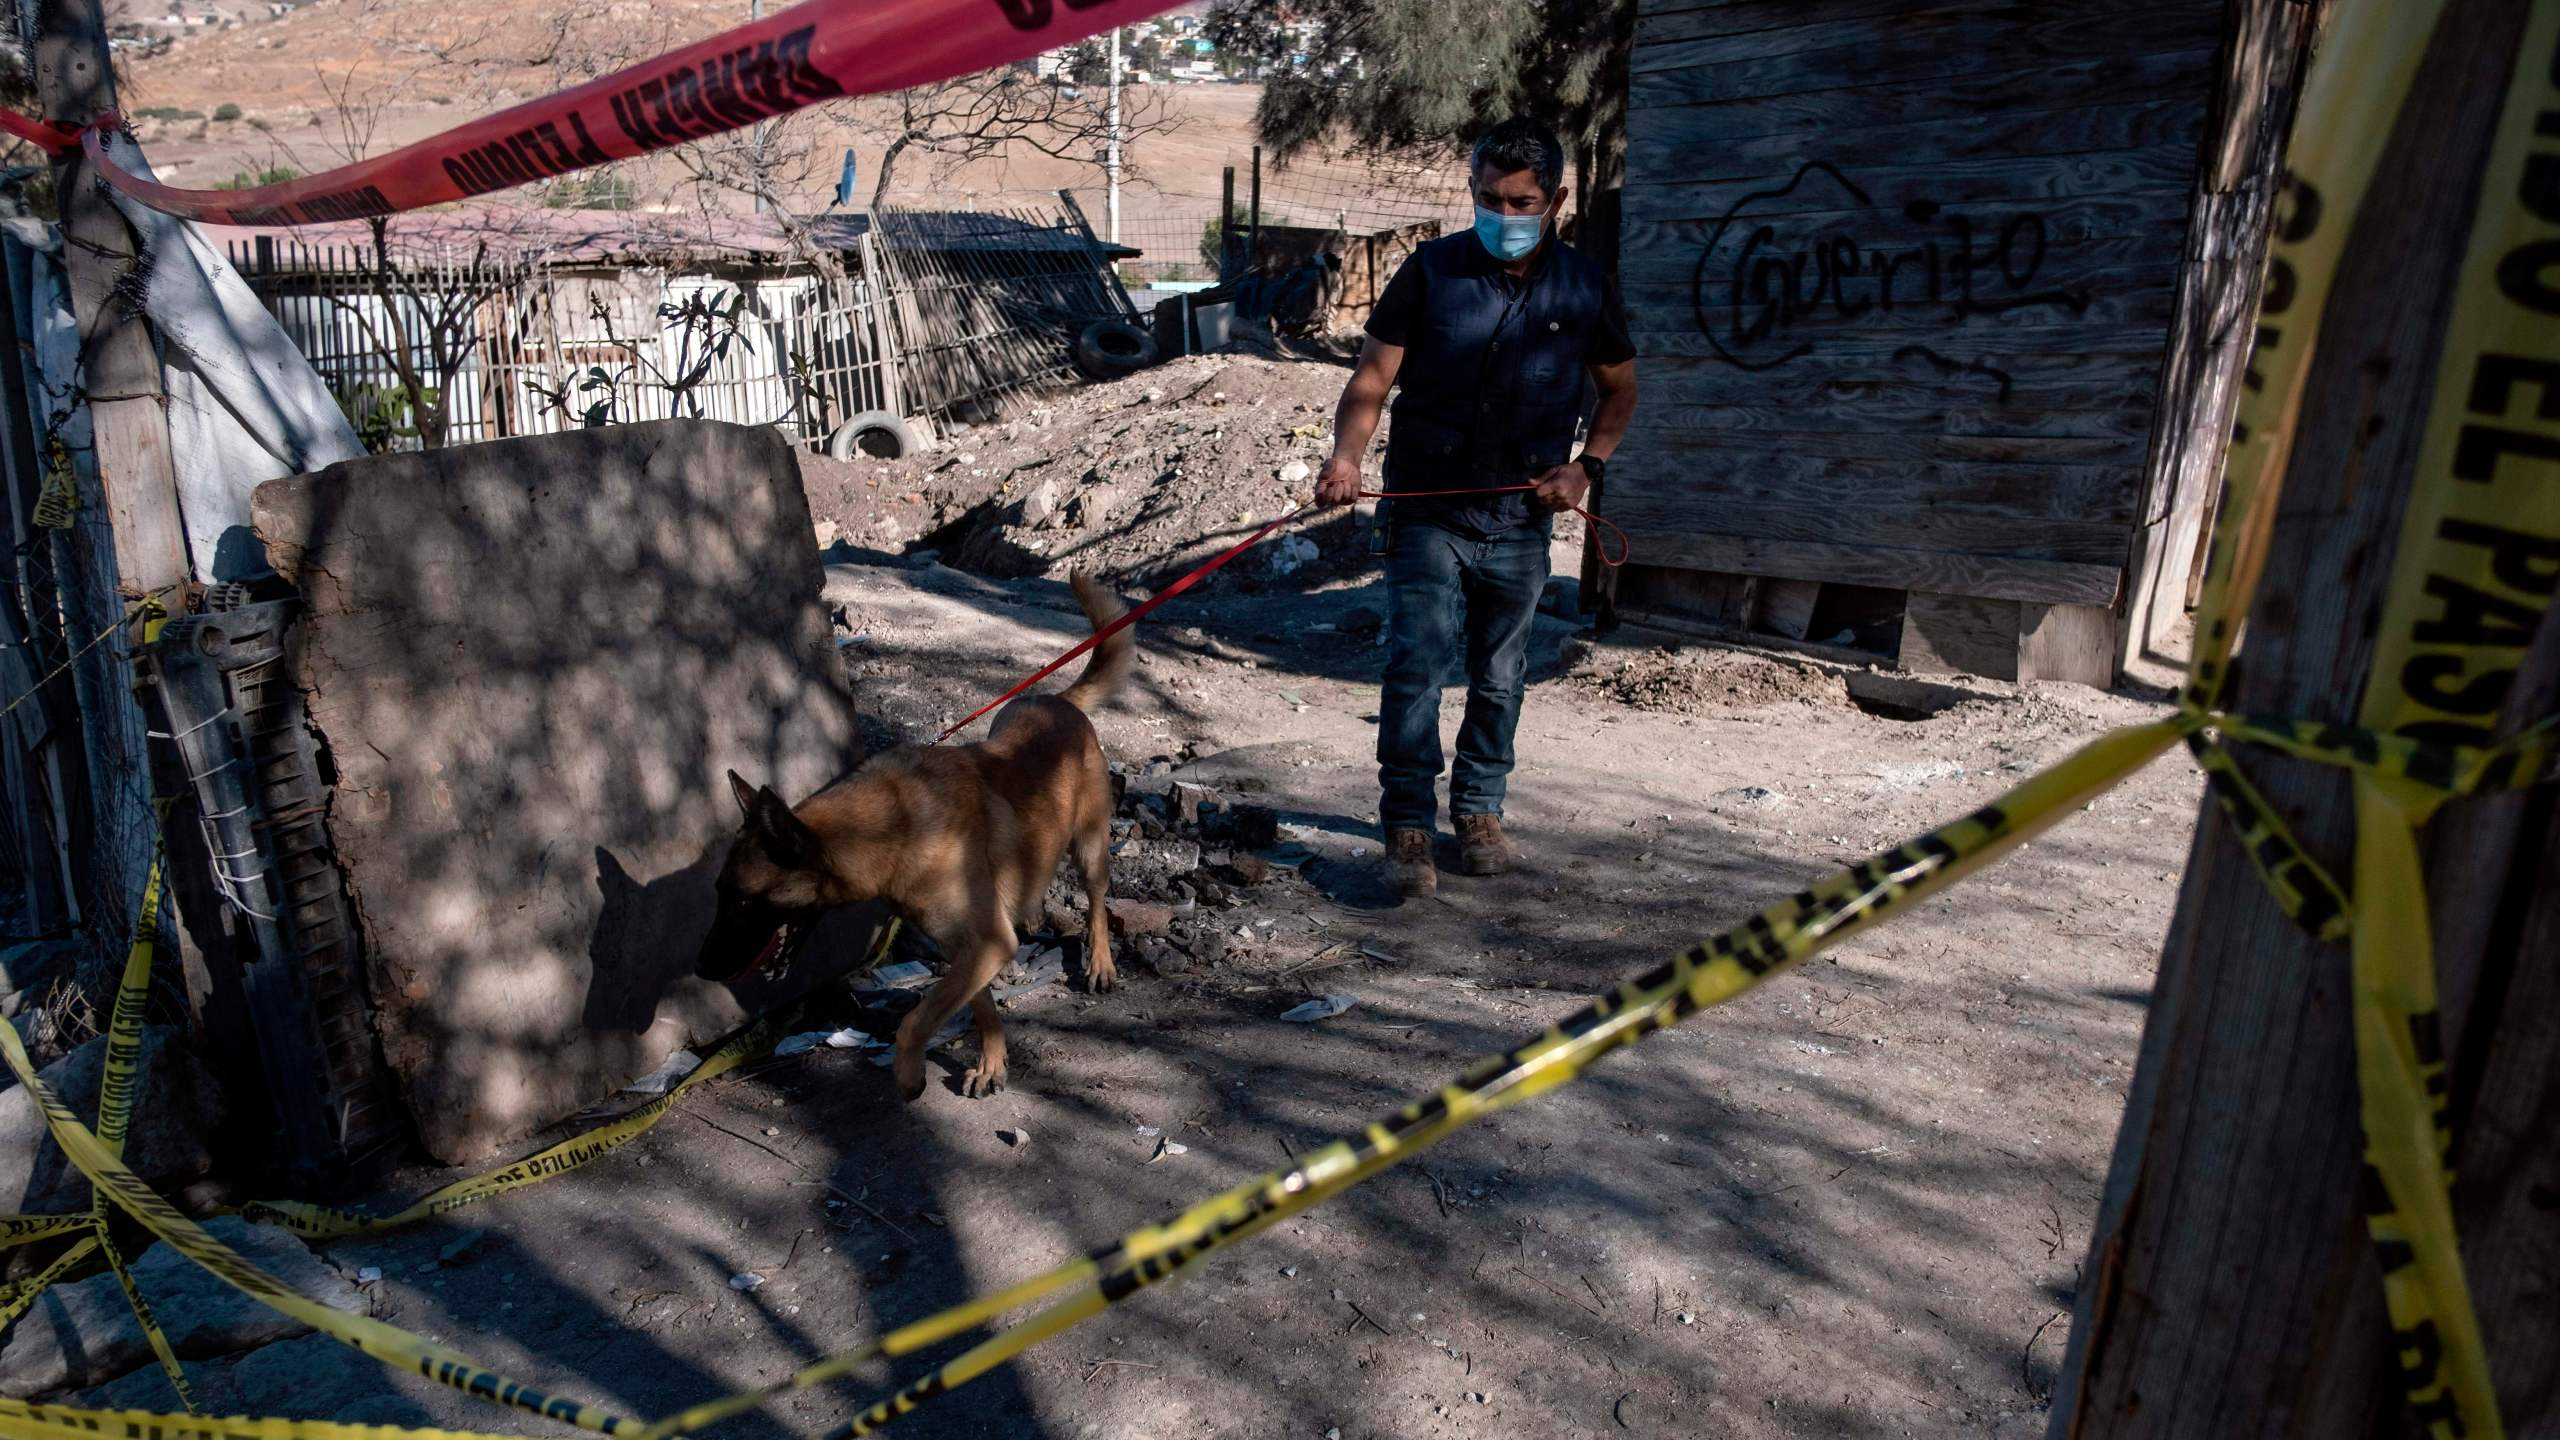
981, 1082
1102, 976
910, 1078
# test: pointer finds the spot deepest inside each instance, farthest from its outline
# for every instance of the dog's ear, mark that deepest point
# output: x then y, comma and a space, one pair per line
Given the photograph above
745, 793
786, 840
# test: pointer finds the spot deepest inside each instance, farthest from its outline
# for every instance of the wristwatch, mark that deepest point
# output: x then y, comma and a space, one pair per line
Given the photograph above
1592, 465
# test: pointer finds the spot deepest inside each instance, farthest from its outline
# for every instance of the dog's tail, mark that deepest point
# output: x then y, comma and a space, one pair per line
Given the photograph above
1112, 658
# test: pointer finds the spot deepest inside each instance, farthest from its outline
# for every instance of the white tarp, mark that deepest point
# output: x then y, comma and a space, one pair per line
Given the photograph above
244, 406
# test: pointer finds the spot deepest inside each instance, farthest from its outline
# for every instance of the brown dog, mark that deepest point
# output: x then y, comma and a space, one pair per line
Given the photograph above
961, 842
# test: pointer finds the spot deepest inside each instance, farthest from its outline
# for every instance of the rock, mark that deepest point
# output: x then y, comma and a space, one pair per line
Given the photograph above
1179, 857
1187, 800
1062, 919
84, 1334
1038, 505
1295, 473
826, 533
1094, 506
1292, 554
176, 1109
1252, 827
1562, 597
1207, 945
1138, 917
1247, 869
313, 1375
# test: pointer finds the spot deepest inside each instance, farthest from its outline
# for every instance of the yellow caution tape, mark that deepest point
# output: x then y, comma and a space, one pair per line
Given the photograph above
384, 1342
1714, 971
115, 1115
323, 1222
57, 507
2471, 586
20, 1420
28, 1229
25, 1295
2477, 572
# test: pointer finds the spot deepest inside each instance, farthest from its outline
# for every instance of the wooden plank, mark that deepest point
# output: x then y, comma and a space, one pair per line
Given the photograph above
1669, 143
1783, 607
1782, 517
2098, 255
2014, 184
1904, 29
1709, 597
1893, 567
1894, 416
1671, 428
2067, 642
1960, 635
2178, 76
1688, 225
1709, 475
2122, 303
1873, 52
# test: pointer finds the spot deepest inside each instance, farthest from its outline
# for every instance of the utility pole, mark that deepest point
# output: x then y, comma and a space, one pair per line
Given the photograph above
1111, 145
2232, 1287
128, 414
756, 155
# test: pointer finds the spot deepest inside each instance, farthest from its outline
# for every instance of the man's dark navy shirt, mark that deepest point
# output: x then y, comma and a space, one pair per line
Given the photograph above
1440, 306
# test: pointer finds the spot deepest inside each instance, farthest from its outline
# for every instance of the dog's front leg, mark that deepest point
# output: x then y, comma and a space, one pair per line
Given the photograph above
964, 984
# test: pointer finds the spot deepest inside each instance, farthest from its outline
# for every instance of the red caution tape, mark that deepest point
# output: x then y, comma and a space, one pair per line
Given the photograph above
1217, 562
822, 50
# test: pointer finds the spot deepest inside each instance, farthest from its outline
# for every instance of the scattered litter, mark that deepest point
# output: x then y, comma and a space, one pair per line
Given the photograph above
1324, 1007
906, 974
369, 1275
1166, 1147
1290, 856
1381, 956
1289, 1272
1018, 1137
1810, 1048
746, 1281
663, 1079
772, 1130
1685, 1318
1149, 1132
1292, 697
808, 1040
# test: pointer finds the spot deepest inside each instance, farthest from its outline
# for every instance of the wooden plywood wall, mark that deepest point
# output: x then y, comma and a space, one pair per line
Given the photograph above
1903, 275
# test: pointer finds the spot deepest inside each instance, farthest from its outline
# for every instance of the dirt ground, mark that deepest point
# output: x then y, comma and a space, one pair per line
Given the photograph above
1852, 1203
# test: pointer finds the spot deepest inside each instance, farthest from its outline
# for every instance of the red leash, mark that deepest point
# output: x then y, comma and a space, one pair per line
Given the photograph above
1216, 562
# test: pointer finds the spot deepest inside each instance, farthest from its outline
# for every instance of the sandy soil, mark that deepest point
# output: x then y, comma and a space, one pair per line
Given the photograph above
1852, 1203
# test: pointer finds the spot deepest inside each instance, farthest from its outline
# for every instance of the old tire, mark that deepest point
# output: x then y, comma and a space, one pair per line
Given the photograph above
875, 433
1110, 349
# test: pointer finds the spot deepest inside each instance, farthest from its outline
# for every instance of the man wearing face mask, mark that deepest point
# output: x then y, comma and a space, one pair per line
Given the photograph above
1493, 335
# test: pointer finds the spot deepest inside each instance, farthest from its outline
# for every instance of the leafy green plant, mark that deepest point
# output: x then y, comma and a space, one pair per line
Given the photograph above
225, 113
383, 413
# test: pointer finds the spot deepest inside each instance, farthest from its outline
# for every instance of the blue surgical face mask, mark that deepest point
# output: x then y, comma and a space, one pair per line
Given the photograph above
1509, 237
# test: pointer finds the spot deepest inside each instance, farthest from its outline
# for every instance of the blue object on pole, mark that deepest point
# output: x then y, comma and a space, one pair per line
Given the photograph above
844, 186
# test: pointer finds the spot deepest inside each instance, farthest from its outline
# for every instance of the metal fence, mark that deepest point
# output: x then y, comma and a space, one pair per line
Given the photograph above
939, 316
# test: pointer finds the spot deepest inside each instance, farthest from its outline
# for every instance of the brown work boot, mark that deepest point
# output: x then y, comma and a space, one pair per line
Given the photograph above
1482, 847
1409, 867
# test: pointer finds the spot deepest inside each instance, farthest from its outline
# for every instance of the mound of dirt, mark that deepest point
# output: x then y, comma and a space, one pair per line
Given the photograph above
1136, 480
1698, 681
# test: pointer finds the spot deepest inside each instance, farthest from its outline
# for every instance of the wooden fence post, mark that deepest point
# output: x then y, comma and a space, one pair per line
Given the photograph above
2232, 1288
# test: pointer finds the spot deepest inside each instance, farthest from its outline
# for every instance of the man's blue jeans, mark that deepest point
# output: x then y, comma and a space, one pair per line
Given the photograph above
1445, 591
